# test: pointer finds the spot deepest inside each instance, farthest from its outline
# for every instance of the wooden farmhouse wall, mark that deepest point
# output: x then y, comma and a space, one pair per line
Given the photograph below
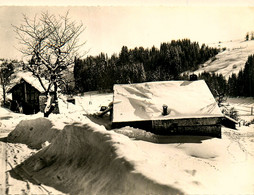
26, 96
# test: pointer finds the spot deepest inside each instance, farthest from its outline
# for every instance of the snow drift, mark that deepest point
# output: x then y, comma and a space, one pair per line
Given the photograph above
33, 132
88, 159
139, 134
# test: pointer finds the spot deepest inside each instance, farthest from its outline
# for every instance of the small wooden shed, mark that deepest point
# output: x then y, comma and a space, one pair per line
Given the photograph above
25, 97
167, 107
28, 96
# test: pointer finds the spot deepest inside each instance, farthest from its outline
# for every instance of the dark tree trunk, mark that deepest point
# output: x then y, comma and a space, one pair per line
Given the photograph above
4, 95
52, 107
53, 103
3, 86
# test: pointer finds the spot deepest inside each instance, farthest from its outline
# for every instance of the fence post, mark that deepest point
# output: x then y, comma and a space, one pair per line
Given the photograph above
251, 111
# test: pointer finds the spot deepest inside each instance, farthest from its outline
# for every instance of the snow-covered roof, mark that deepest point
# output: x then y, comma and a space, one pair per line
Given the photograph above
29, 78
144, 101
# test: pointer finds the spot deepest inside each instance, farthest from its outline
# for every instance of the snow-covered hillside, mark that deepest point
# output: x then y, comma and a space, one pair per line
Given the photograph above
232, 60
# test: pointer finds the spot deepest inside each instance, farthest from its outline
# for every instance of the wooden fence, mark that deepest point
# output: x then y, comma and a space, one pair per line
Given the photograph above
248, 109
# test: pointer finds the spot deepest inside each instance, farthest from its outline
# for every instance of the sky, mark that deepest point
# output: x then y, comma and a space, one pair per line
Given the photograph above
109, 26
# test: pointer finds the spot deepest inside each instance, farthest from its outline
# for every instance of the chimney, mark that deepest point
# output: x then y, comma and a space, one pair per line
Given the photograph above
193, 77
165, 110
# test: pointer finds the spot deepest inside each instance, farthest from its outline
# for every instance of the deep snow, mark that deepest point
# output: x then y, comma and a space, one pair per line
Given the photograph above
85, 158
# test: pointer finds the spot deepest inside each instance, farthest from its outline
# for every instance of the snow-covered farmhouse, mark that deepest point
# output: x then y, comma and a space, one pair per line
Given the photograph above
28, 96
168, 107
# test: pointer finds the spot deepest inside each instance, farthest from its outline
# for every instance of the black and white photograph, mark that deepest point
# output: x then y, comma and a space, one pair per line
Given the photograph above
127, 97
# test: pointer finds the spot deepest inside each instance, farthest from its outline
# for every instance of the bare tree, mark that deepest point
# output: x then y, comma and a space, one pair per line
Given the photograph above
50, 43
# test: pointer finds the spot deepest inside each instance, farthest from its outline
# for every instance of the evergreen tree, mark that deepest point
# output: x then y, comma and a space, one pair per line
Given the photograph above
140, 64
6, 70
124, 55
247, 37
248, 76
252, 35
243, 83
232, 85
78, 77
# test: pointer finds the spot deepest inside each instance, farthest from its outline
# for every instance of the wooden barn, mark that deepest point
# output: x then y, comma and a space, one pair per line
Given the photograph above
167, 107
27, 94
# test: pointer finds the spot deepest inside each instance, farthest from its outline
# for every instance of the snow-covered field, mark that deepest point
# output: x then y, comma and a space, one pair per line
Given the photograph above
70, 154
232, 60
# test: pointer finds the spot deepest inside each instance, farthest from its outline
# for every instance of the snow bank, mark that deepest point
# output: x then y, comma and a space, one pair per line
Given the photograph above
196, 164
33, 132
9, 120
139, 134
87, 159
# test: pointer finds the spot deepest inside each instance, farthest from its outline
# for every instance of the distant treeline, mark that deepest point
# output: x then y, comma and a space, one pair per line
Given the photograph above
249, 36
242, 84
140, 65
